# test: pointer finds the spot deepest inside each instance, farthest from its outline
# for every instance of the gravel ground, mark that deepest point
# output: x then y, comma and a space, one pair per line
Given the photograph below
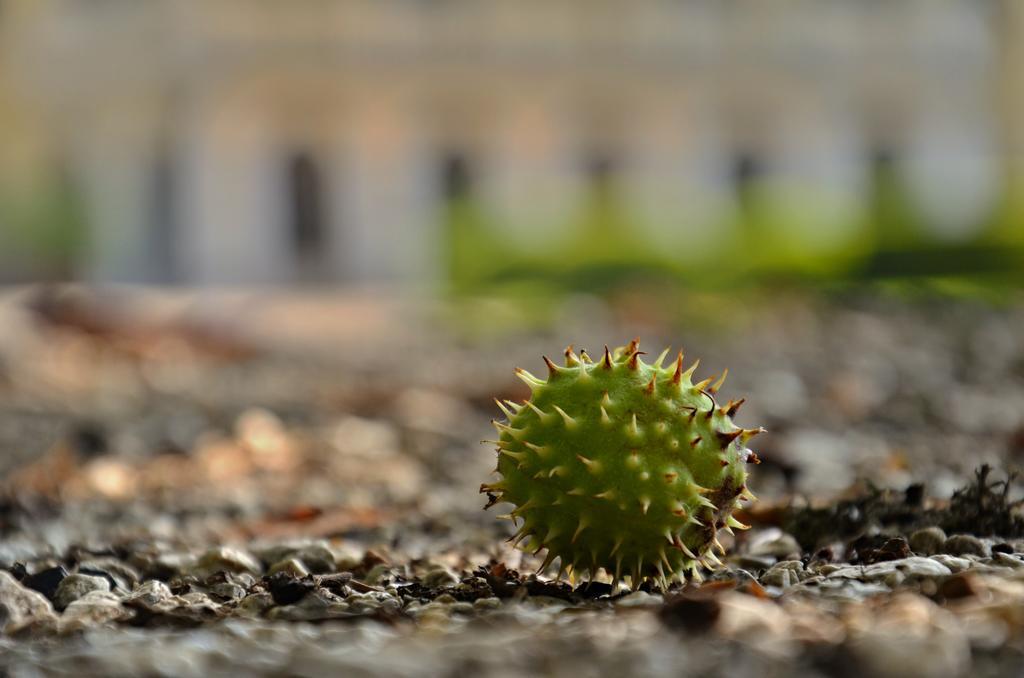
289, 486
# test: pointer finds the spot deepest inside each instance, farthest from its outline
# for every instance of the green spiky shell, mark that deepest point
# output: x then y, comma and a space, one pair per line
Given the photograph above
621, 465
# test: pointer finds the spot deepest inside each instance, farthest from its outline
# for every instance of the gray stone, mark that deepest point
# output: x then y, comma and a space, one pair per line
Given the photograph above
783, 574
751, 562
917, 567
954, 563
487, 603
1007, 560
927, 541
439, 576
151, 593
254, 605
316, 605
77, 585
640, 599
781, 546
22, 609
228, 559
293, 566
162, 565
317, 557
376, 573
887, 572
124, 574
228, 591
840, 588
965, 544
95, 608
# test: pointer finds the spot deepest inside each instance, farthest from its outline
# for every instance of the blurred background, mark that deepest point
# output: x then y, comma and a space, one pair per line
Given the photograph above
320, 209
518, 148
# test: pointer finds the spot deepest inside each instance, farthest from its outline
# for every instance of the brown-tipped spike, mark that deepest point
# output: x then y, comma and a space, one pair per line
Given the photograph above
691, 369
718, 384
734, 406
582, 526
677, 376
519, 510
606, 359
751, 432
547, 561
623, 352
732, 522
634, 360
706, 503
664, 557
505, 428
696, 441
569, 421
528, 378
693, 412
649, 389
539, 449
518, 456
507, 412
586, 357
591, 464
553, 369
682, 547
752, 458
540, 413
726, 438
701, 385
723, 462
562, 567
570, 358
519, 536
671, 477
558, 471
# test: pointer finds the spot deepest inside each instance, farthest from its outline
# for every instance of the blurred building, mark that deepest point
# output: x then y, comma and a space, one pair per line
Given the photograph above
251, 141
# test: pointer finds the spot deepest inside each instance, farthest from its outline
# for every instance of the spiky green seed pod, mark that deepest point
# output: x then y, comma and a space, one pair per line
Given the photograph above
622, 465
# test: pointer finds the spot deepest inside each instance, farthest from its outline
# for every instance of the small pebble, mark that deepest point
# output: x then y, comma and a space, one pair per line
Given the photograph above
965, 544
228, 559
74, 586
927, 541
293, 566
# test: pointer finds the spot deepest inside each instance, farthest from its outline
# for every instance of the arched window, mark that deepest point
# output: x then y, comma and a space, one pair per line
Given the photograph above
456, 177
306, 207
165, 221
